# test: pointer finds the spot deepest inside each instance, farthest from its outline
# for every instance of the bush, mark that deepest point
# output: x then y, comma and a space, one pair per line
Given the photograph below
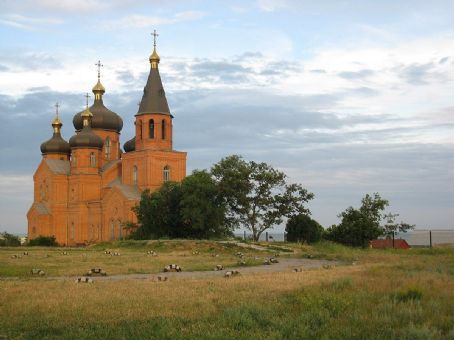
9, 240
411, 294
47, 241
302, 228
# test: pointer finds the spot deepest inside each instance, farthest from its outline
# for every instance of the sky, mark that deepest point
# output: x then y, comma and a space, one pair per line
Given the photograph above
347, 97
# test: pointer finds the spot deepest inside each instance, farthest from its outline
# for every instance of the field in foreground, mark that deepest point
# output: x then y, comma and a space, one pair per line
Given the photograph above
376, 294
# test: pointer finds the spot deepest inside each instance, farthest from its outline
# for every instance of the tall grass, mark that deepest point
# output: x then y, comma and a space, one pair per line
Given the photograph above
387, 295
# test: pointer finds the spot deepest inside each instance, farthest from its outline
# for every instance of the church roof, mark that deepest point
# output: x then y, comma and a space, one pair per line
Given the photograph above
131, 192
103, 118
154, 97
41, 209
57, 166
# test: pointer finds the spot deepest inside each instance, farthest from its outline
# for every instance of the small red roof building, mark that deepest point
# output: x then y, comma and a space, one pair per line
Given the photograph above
388, 243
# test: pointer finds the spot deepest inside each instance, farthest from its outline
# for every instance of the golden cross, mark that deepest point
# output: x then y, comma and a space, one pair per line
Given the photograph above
56, 108
87, 96
154, 34
99, 68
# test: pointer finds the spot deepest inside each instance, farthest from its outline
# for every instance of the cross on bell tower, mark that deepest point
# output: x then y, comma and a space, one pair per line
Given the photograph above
155, 35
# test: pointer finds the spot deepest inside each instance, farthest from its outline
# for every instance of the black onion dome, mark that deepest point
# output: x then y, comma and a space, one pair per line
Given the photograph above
103, 118
130, 145
55, 145
86, 138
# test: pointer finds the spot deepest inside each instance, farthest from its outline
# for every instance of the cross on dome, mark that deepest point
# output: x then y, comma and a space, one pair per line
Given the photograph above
99, 68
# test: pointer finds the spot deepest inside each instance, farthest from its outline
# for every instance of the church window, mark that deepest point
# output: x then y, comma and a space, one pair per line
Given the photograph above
73, 160
151, 128
166, 173
112, 230
72, 231
134, 175
34, 230
119, 229
92, 159
107, 148
140, 129
163, 129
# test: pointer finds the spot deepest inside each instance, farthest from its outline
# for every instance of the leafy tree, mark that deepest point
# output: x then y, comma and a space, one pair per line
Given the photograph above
9, 240
202, 209
391, 227
46, 241
190, 209
302, 228
359, 226
256, 195
158, 212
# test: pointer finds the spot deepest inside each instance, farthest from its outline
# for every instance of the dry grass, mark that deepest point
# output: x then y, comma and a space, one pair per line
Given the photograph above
387, 294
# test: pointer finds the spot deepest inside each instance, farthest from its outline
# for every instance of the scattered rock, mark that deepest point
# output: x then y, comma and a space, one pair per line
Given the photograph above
214, 255
172, 268
219, 267
107, 252
195, 252
162, 278
116, 254
84, 279
273, 260
96, 271
152, 253
231, 273
64, 253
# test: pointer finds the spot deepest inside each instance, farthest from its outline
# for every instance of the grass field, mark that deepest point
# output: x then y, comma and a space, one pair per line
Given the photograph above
387, 294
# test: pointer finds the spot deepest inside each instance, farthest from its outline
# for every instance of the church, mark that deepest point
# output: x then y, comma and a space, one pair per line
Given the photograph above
84, 189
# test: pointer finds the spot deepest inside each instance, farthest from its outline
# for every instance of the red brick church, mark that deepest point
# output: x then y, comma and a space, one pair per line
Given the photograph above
84, 189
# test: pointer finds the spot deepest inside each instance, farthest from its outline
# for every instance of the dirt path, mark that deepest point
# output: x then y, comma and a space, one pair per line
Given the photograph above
284, 265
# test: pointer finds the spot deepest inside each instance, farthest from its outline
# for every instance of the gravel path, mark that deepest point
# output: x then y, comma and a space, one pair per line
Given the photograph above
284, 265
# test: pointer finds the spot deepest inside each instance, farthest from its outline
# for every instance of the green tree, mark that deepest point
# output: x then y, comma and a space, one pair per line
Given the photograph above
190, 209
202, 210
302, 228
158, 212
256, 195
359, 226
391, 226
9, 240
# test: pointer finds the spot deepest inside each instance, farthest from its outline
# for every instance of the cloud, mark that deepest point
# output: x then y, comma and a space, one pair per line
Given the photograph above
142, 21
272, 5
28, 23
418, 74
361, 74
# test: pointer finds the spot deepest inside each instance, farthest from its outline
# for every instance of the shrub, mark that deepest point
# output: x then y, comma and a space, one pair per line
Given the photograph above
47, 241
9, 240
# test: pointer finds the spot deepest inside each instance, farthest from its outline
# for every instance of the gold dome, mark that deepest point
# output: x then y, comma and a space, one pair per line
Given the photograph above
56, 122
154, 57
98, 88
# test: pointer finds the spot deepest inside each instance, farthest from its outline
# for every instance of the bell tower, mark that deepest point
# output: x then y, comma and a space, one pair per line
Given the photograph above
153, 119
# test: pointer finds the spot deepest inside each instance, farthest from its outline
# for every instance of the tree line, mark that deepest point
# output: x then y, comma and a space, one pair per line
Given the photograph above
236, 193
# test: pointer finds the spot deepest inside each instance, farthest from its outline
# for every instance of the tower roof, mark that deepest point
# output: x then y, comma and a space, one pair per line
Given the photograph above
103, 118
56, 144
86, 138
154, 97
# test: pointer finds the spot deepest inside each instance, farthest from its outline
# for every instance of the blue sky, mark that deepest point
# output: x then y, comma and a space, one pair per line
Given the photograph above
347, 97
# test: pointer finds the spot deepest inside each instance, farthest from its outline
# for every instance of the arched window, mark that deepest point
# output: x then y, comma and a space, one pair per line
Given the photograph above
151, 128
73, 160
112, 230
72, 231
140, 129
92, 159
107, 147
119, 230
163, 129
166, 173
134, 175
